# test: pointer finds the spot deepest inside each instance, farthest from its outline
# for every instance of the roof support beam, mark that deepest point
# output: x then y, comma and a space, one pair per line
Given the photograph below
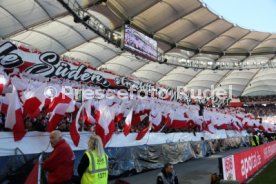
159, 73
222, 78
13, 17
104, 46
229, 46
71, 27
188, 82
179, 18
197, 29
41, 23
57, 41
250, 80
260, 42
131, 69
109, 59
39, 4
215, 36
85, 53
117, 12
175, 45
162, 80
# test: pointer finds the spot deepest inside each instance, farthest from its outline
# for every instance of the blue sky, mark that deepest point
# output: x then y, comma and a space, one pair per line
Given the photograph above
259, 15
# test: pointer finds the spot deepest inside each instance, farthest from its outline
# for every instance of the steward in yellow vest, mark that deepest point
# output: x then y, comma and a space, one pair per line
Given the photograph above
255, 140
93, 168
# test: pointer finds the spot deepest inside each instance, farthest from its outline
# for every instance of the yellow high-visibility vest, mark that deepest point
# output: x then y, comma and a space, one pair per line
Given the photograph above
258, 140
97, 171
253, 142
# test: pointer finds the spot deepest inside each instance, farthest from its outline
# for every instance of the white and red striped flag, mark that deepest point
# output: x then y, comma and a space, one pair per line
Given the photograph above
34, 100
105, 126
59, 106
74, 127
88, 118
4, 79
127, 125
14, 119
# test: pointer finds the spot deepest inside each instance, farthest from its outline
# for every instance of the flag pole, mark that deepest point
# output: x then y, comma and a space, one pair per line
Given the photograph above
82, 112
39, 169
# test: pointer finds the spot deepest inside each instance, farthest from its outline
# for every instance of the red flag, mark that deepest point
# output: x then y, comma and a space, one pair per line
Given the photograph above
34, 176
88, 118
127, 125
143, 132
34, 101
105, 122
57, 116
3, 81
179, 121
59, 106
5, 105
61, 98
74, 127
14, 118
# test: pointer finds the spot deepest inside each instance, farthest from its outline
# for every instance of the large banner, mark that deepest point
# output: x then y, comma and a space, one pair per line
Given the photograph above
49, 64
241, 166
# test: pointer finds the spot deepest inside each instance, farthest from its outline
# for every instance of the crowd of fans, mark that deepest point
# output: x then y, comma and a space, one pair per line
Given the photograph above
268, 98
261, 111
153, 114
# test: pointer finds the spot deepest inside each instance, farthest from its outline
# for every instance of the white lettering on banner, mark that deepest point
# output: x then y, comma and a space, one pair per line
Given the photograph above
269, 151
250, 163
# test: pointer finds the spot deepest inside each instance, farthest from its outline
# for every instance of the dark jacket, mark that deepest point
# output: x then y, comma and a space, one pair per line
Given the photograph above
84, 163
164, 178
60, 164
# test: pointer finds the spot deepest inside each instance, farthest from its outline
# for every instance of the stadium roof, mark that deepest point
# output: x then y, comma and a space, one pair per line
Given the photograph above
185, 28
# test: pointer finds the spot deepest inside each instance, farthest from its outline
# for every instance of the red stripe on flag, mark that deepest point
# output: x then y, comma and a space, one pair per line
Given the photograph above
54, 122
19, 128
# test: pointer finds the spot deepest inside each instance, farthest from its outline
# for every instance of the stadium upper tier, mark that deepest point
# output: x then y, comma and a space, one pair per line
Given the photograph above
184, 28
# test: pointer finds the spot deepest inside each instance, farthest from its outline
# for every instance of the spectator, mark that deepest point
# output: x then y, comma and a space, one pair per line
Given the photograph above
60, 164
167, 175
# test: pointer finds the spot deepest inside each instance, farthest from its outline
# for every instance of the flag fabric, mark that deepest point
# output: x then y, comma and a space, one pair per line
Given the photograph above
61, 98
155, 118
74, 127
105, 121
3, 81
58, 107
14, 119
178, 120
19, 84
88, 118
143, 132
34, 101
57, 116
139, 113
128, 120
5, 105
35, 174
